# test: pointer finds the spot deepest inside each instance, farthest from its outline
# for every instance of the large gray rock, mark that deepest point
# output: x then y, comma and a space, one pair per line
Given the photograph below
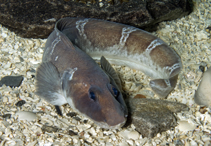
36, 19
203, 93
151, 116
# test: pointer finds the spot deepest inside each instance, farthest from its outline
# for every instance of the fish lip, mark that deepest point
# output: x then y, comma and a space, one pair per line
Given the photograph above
106, 126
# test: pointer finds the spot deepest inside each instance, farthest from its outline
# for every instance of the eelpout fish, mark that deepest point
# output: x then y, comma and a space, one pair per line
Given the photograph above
68, 75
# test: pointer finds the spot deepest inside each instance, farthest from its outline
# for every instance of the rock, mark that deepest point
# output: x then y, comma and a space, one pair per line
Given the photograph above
203, 93
6, 116
201, 35
127, 134
202, 68
186, 126
25, 115
58, 110
72, 133
72, 114
203, 110
208, 29
36, 19
151, 116
20, 103
77, 118
12, 81
49, 129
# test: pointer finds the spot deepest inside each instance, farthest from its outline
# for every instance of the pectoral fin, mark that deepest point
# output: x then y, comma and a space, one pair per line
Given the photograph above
48, 84
106, 66
162, 87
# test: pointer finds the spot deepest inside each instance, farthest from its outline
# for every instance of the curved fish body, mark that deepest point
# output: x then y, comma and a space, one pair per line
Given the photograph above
69, 75
126, 45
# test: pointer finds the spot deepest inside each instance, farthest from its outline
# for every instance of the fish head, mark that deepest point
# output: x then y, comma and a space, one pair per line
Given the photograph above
93, 92
99, 100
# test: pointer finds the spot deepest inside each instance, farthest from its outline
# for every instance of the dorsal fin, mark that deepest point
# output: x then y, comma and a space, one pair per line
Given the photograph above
106, 66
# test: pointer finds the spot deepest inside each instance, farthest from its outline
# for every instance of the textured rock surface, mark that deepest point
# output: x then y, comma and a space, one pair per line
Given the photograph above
12, 81
36, 19
151, 116
203, 93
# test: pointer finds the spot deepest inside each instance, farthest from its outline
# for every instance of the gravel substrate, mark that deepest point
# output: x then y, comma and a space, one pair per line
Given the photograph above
36, 122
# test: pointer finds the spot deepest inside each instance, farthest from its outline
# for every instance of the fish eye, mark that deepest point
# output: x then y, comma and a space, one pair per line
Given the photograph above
92, 95
115, 91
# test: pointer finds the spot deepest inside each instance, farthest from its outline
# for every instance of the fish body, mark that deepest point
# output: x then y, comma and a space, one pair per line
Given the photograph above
69, 75
126, 45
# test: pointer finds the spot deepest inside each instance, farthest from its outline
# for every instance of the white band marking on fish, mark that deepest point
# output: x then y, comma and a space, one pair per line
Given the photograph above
80, 27
172, 68
56, 58
167, 82
125, 34
71, 72
55, 42
153, 45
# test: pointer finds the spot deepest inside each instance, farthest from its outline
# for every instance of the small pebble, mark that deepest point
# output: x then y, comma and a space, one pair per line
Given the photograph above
6, 116
20, 103
201, 68
200, 36
72, 114
140, 96
72, 133
29, 116
127, 134
49, 129
178, 142
77, 118
12, 81
208, 29
186, 126
58, 110
203, 110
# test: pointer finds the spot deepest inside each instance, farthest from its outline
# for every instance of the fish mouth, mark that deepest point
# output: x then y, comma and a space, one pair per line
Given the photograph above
106, 126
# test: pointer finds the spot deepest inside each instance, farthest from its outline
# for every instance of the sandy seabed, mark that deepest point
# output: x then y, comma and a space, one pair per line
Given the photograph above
19, 56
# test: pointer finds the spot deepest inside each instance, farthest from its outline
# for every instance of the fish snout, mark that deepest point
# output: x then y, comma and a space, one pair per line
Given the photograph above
115, 119
115, 114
